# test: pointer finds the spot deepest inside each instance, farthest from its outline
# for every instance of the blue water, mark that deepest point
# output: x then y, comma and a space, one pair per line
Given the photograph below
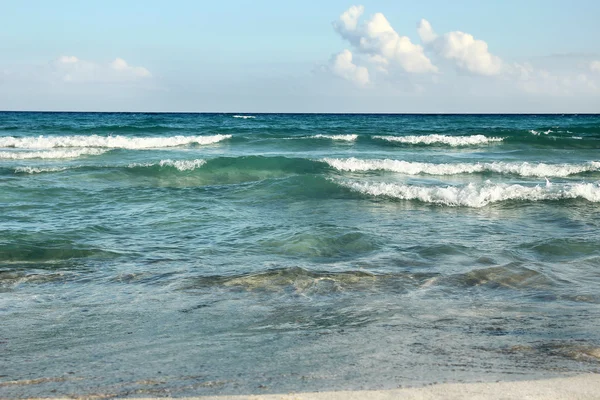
197, 254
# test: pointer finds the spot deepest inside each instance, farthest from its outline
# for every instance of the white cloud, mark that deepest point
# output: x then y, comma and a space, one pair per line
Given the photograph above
378, 39
426, 32
554, 83
341, 65
381, 54
71, 83
121, 65
349, 19
381, 63
469, 54
74, 70
68, 59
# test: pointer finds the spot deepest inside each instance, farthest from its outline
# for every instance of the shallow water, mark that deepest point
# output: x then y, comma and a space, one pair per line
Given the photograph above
191, 254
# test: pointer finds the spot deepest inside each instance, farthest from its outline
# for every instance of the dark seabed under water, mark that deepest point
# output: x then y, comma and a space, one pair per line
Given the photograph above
193, 254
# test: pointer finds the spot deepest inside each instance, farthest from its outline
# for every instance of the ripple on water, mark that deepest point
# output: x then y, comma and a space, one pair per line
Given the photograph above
22, 250
322, 243
559, 249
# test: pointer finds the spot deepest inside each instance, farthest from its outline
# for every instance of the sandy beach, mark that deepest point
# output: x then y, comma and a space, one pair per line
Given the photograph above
579, 387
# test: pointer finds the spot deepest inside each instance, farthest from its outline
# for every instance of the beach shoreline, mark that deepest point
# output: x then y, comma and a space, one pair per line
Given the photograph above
583, 387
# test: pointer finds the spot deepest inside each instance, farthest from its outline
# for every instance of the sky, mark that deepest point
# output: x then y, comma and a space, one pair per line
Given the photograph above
425, 56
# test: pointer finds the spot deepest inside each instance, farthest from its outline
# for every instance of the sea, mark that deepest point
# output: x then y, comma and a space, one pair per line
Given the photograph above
156, 254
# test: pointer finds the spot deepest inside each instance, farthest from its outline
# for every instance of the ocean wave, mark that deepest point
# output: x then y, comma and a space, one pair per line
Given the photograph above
454, 141
417, 168
346, 138
473, 195
50, 154
181, 165
39, 170
537, 133
116, 142
244, 116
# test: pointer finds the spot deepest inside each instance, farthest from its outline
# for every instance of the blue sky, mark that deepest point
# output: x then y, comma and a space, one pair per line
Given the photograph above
538, 56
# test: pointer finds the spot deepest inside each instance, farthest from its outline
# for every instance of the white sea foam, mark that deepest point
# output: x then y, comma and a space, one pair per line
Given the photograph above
39, 170
347, 138
454, 141
181, 165
417, 168
115, 142
473, 195
537, 133
244, 116
50, 154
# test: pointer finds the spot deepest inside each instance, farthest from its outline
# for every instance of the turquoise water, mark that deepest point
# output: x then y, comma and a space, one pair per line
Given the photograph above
192, 254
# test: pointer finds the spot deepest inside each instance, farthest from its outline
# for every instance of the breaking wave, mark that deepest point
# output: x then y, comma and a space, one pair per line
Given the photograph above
346, 138
416, 168
473, 195
181, 165
39, 170
454, 141
115, 142
537, 133
50, 154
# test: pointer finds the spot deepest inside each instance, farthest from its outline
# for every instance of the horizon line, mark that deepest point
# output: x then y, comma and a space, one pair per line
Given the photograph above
294, 113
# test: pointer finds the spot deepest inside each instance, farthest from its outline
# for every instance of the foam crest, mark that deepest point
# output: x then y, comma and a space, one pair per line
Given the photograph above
473, 195
454, 141
181, 165
50, 154
346, 138
541, 169
538, 133
115, 142
404, 167
417, 168
244, 116
39, 170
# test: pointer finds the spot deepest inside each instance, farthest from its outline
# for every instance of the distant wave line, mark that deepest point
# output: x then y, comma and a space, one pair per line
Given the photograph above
50, 154
115, 142
454, 141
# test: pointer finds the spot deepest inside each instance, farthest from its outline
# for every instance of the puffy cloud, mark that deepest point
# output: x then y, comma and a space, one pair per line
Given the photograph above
348, 21
379, 53
426, 32
376, 38
469, 54
342, 65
